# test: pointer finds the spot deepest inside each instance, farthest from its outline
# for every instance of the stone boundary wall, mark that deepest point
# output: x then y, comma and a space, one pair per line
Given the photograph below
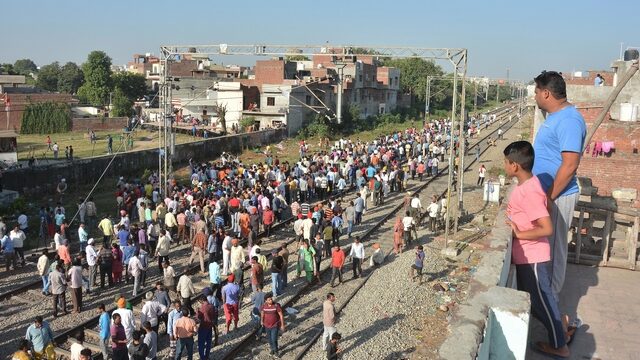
43, 179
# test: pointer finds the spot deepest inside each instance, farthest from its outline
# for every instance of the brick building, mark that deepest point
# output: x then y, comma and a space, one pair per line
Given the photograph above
617, 168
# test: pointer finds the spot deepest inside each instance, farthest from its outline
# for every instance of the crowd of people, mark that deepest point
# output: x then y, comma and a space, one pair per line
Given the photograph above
225, 204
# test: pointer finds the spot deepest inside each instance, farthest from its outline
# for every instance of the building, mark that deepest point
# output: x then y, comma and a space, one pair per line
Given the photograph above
292, 92
373, 88
277, 92
8, 147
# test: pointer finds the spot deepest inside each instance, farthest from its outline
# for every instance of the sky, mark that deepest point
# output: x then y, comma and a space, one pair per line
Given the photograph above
524, 37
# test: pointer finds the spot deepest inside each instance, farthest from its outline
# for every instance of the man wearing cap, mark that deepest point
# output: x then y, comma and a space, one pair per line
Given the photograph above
126, 317
237, 255
207, 316
151, 311
230, 299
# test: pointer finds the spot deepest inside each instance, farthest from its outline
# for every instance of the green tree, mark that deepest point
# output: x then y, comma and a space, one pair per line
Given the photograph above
46, 118
133, 86
70, 79
25, 67
122, 104
413, 74
127, 88
48, 77
7, 69
97, 76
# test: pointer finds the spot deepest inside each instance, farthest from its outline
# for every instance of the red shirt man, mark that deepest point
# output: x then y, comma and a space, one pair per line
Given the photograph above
337, 257
267, 216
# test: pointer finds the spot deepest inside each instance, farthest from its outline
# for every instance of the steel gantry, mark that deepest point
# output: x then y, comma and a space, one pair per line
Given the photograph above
456, 56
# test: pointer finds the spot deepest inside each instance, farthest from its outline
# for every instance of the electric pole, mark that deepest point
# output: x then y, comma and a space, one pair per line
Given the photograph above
427, 98
451, 155
462, 148
339, 98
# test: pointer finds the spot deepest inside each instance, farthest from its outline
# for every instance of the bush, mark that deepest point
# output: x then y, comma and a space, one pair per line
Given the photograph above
46, 118
247, 121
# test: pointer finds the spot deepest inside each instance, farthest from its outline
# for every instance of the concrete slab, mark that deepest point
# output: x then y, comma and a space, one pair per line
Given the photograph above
606, 299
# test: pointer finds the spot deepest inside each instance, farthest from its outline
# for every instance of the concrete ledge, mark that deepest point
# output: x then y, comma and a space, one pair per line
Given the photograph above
493, 323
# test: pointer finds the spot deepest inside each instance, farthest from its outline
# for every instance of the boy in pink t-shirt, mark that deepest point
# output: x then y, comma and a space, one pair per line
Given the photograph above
529, 218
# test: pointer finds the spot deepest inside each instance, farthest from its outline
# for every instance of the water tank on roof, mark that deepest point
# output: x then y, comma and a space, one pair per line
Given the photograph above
631, 54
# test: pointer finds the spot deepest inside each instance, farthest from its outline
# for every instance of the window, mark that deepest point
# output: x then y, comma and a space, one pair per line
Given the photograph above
360, 78
308, 100
271, 101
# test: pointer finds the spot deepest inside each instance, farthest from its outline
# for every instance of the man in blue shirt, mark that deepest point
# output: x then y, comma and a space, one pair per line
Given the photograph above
41, 337
105, 331
9, 251
558, 146
174, 315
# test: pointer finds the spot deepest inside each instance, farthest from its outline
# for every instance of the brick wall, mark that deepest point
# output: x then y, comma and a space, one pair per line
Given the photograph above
97, 123
269, 71
625, 135
620, 169
19, 103
183, 68
610, 173
588, 80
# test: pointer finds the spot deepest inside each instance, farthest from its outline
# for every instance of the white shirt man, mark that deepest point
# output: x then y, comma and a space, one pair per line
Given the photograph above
151, 310
408, 222
226, 254
433, 209
415, 203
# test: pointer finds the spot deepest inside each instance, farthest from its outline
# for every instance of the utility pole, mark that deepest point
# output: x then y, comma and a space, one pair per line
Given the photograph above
451, 155
461, 142
339, 98
486, 96
498, 92
427, 98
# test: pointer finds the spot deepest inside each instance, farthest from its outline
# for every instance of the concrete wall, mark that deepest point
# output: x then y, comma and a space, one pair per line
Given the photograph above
588, 93
630, 93
42, 179
494, 321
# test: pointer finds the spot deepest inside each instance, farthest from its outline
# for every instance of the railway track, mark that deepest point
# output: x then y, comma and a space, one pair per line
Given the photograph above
282, 231
247, 346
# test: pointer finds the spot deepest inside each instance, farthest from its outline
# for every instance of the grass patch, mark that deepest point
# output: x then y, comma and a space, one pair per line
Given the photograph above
36, 145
